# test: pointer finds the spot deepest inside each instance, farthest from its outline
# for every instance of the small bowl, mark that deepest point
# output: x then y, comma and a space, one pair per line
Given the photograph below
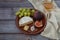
37, 30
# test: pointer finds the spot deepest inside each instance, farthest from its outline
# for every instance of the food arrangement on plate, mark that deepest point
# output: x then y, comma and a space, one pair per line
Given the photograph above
30, 21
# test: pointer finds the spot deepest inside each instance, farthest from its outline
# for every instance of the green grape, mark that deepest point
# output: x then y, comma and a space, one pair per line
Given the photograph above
28, 13
21, 10
21, 13
25, 14
20, 16
24, 10
17, 13
33, 10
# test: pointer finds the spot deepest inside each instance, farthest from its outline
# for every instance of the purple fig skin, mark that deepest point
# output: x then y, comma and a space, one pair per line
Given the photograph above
38, 16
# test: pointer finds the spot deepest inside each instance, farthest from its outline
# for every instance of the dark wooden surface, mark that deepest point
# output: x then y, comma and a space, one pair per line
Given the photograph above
8, 29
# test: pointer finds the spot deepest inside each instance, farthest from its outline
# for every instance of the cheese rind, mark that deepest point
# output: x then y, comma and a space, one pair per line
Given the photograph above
25, 20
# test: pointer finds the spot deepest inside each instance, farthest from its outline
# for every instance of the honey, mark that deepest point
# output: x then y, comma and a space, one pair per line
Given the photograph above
48, 5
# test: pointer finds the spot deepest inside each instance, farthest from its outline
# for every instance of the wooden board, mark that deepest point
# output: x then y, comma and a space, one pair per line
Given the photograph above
15, 4
8, 29
14, 37
16, 0
12, 0
8, 26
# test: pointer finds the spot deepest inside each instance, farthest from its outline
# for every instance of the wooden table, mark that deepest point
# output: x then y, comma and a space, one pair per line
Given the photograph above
8, 29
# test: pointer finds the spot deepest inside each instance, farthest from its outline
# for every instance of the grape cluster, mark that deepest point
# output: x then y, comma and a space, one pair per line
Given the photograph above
25, 12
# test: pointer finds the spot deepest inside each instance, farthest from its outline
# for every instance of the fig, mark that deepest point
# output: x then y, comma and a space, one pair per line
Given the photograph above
37, 16
38, 24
